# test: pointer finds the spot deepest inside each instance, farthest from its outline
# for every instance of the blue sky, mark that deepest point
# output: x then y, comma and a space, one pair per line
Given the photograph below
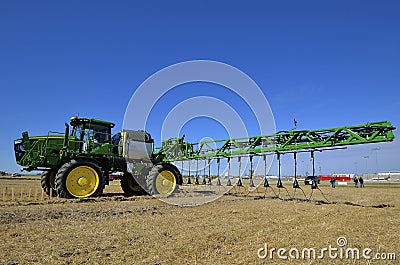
327, 63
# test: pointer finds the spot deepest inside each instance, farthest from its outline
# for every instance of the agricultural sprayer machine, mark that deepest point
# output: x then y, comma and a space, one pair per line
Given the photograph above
78, 162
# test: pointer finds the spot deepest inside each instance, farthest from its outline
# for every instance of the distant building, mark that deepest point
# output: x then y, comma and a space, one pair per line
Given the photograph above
394, 176
338, 177
390, 175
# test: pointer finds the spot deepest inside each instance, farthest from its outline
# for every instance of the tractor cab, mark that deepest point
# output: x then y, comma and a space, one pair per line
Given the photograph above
92, 135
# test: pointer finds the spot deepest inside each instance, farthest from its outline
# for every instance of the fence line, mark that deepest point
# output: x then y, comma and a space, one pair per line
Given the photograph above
24, 194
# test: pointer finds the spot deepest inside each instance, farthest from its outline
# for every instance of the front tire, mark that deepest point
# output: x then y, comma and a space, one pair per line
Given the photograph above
164, 179
79, 179
130, 186
47, 181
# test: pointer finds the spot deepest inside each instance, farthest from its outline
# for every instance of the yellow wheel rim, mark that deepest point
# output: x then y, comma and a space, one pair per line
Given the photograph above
165, 182
82, 181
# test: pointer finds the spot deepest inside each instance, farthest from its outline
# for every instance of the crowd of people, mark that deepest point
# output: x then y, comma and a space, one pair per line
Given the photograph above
357, 180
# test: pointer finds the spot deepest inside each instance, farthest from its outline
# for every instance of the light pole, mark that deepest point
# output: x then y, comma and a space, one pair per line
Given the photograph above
376, 149
366, 164
355, 164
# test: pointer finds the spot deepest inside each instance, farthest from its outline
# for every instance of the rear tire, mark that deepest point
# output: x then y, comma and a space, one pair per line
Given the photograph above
79, 179
164, 179
47, 181
130, 186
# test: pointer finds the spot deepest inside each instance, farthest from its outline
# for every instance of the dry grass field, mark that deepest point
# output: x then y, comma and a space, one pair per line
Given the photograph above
36, 229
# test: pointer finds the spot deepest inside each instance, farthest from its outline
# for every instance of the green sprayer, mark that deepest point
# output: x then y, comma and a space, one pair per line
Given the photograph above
78, 162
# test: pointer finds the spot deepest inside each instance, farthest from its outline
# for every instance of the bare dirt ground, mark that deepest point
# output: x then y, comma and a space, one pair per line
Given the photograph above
36, 229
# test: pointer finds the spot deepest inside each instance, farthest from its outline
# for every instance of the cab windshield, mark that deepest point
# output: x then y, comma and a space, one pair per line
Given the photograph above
90, 132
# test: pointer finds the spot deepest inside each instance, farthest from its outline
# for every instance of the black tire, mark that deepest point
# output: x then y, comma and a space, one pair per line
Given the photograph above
130, 186
70, 174
47, 181
164, 179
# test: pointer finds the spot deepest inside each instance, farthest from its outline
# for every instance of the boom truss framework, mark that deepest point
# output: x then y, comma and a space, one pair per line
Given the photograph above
177, 149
